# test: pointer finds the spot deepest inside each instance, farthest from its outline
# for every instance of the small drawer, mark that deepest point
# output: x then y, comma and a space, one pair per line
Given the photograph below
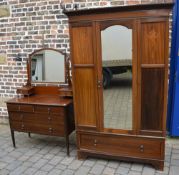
16, 116
20, 107
26, 108
49, 110
13, 107
65, 93
123, 145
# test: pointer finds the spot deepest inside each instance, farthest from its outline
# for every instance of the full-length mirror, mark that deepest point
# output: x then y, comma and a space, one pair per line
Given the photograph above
47, 65
117, 77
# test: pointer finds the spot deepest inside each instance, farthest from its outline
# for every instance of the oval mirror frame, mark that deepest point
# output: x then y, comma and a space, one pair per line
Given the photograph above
66, 68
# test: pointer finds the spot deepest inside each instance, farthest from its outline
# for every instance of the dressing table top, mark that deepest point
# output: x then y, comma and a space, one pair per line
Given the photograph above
51, 100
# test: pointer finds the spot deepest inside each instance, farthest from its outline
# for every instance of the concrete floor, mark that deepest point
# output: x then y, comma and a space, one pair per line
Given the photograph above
41, 155
118, 102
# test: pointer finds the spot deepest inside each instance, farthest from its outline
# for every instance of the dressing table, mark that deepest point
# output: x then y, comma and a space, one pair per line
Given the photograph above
43, 108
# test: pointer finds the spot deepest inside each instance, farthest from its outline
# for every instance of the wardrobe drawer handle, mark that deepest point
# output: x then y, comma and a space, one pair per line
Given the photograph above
141, 148
95, 142
49, 118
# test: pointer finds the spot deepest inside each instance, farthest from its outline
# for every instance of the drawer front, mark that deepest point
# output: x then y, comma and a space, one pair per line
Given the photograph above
56, 130
13, 107
49, 110
36, 118
123, 145
43, 119
20, 107
16, 116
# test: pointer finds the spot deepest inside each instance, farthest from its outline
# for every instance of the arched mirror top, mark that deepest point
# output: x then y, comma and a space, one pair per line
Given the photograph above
48, 65
116, 43
107, 24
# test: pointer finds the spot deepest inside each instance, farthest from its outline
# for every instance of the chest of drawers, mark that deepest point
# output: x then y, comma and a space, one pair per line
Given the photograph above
42, 115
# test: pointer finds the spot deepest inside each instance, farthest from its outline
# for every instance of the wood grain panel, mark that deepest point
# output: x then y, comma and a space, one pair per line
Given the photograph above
152, 98
22, 108
153, 42
36, 118
82, 45
122, 145
84, 87
49, 110
56, 130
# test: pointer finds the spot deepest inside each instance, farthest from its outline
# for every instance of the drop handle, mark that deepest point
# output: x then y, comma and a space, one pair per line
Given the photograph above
95, 142
141, 148
50, 130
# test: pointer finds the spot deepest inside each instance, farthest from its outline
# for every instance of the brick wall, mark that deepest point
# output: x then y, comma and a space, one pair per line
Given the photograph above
28, 25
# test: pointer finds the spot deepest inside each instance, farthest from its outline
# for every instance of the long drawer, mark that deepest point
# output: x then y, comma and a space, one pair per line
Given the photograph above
36, 118
136, 147
41, 109
56, 130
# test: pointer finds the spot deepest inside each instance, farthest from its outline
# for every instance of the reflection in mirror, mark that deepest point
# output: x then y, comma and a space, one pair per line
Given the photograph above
48, 66
117, 77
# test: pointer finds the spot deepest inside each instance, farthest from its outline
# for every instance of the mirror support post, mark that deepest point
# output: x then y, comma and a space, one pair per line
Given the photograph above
28, 73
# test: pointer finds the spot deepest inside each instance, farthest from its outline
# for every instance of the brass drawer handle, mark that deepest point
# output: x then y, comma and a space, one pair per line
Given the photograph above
49, 118
141, 148
50, 130
95, 142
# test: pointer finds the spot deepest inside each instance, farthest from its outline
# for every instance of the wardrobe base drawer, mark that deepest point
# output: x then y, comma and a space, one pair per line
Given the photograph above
127, 146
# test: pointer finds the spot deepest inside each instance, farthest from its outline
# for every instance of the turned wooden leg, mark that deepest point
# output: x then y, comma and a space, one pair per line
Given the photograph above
13, 138
29, 134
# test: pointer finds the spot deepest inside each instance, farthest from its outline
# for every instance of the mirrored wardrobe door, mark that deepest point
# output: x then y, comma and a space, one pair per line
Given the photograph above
117, 77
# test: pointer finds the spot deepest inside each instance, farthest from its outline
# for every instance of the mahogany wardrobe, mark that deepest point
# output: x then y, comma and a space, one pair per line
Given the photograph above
128, 47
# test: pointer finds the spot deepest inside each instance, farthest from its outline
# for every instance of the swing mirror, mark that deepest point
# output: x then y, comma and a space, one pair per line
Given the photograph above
47, 66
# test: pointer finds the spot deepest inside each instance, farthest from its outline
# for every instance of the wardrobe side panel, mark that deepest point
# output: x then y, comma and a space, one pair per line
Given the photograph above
84, 85
153, 77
